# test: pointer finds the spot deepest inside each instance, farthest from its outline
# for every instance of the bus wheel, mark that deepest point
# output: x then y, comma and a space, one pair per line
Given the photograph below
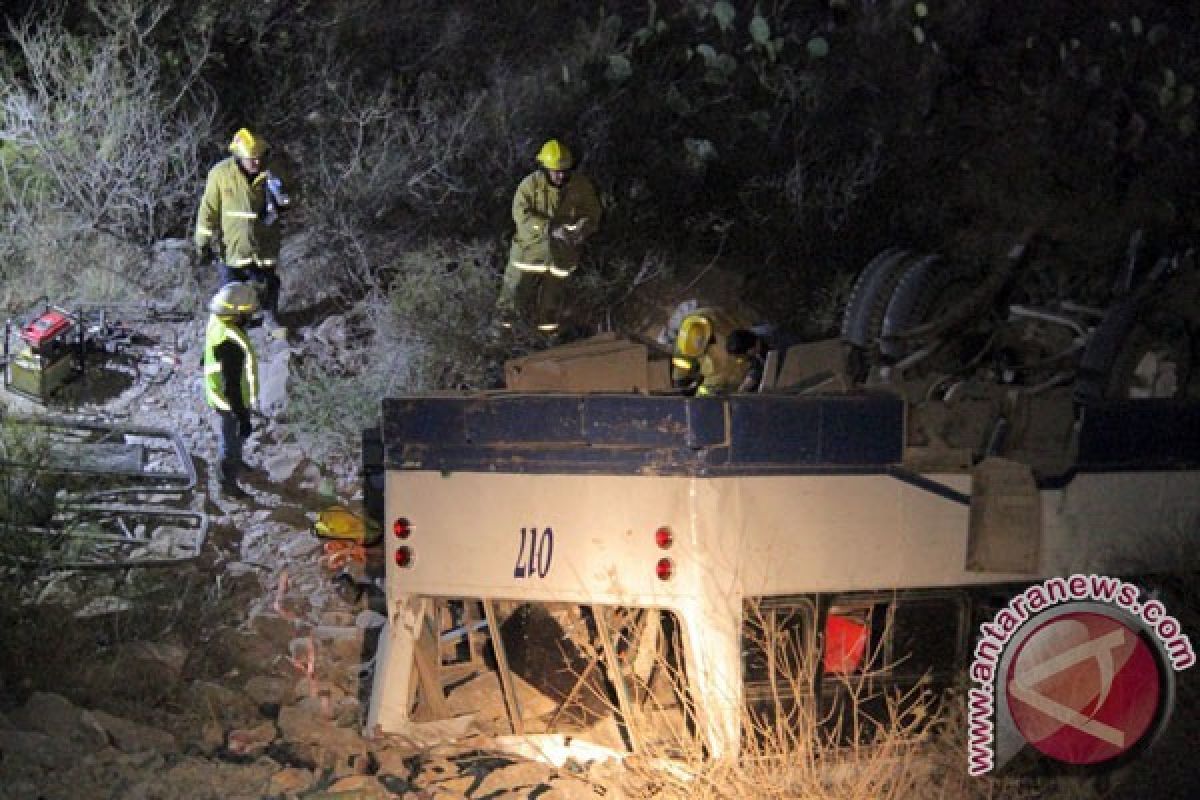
863, 318
927, 288
1136, 355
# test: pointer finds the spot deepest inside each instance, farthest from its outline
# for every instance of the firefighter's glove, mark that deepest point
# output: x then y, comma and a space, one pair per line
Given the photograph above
205, 253
570, 232
245, 425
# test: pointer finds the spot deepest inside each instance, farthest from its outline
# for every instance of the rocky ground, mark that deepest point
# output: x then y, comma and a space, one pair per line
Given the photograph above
253, 683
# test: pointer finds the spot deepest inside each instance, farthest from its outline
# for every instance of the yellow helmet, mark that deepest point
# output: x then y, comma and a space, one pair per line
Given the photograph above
695, 333
246, 145
555, 155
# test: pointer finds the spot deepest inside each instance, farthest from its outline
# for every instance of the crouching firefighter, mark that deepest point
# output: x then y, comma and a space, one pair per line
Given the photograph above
231, 379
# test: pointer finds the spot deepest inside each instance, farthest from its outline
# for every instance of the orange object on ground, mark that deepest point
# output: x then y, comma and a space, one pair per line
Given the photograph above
338, 552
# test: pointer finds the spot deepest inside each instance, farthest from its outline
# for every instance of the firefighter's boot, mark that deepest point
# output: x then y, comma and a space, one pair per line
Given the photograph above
227, 472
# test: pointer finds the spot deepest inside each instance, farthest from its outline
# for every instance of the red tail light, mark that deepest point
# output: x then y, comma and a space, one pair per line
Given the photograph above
664, 538
401, 528
404, 557
664, 569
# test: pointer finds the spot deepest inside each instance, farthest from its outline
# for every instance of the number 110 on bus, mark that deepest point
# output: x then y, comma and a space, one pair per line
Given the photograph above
535, 553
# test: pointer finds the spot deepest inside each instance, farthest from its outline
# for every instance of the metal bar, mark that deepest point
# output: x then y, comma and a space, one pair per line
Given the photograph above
506, 682
182, 481
193, 544
617, 678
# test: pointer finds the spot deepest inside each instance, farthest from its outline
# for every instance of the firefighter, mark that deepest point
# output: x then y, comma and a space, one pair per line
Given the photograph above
751, 346
555, 210
701, 364
231, 379
238, 221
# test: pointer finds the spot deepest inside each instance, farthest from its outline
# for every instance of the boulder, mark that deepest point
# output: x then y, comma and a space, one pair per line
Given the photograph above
55, 716
290, 781
133, 737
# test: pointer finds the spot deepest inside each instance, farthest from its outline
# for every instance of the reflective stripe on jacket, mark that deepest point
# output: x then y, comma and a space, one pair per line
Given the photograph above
215, 392
537, 206
231, 207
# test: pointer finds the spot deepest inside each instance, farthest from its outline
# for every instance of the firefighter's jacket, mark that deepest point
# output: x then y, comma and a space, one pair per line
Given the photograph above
234, 208
705, 362
230, 367
538, 206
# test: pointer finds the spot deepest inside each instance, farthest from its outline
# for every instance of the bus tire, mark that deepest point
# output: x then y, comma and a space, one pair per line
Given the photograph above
863, 317
920, 294
1129, 345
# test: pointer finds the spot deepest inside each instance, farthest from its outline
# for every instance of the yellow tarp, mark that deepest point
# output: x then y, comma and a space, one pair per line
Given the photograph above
339, 522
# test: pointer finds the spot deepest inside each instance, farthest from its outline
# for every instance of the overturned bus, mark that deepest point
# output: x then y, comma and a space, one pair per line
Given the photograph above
602, 566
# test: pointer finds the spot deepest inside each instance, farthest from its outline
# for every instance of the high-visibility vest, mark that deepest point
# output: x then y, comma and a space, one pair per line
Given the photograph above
218, 332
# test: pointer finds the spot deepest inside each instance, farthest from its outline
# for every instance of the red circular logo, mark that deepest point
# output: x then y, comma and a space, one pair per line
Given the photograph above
1083, 688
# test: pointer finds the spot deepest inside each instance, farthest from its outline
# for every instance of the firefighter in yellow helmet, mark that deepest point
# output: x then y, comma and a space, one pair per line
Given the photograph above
555, 210
231, 378
701, 364
239, 219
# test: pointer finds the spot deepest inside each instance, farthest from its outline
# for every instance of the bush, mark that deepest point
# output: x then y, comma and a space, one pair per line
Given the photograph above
101, 136
442, 298
26, 493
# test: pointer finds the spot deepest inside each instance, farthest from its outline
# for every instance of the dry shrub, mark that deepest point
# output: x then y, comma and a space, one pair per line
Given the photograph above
334, 393
790, 750
98, 128
442, 299
100, 138
428, 331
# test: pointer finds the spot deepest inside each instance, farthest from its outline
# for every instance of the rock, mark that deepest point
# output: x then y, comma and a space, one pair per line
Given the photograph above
312, 475
273, 628
482, 696
212, 737
396, 760
172, 657
238, 569
419, 735
290, 781
522, 773
265, 689
300, 547
43, 750
133, 737
353, 783
281, 467
251, 741
216, 702
230, 650
321, 699
302, 727
103, 606
337, 619
346, 643
55, 715
273, 377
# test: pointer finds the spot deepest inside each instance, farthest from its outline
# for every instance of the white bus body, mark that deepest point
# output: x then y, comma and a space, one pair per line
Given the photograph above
565, 498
